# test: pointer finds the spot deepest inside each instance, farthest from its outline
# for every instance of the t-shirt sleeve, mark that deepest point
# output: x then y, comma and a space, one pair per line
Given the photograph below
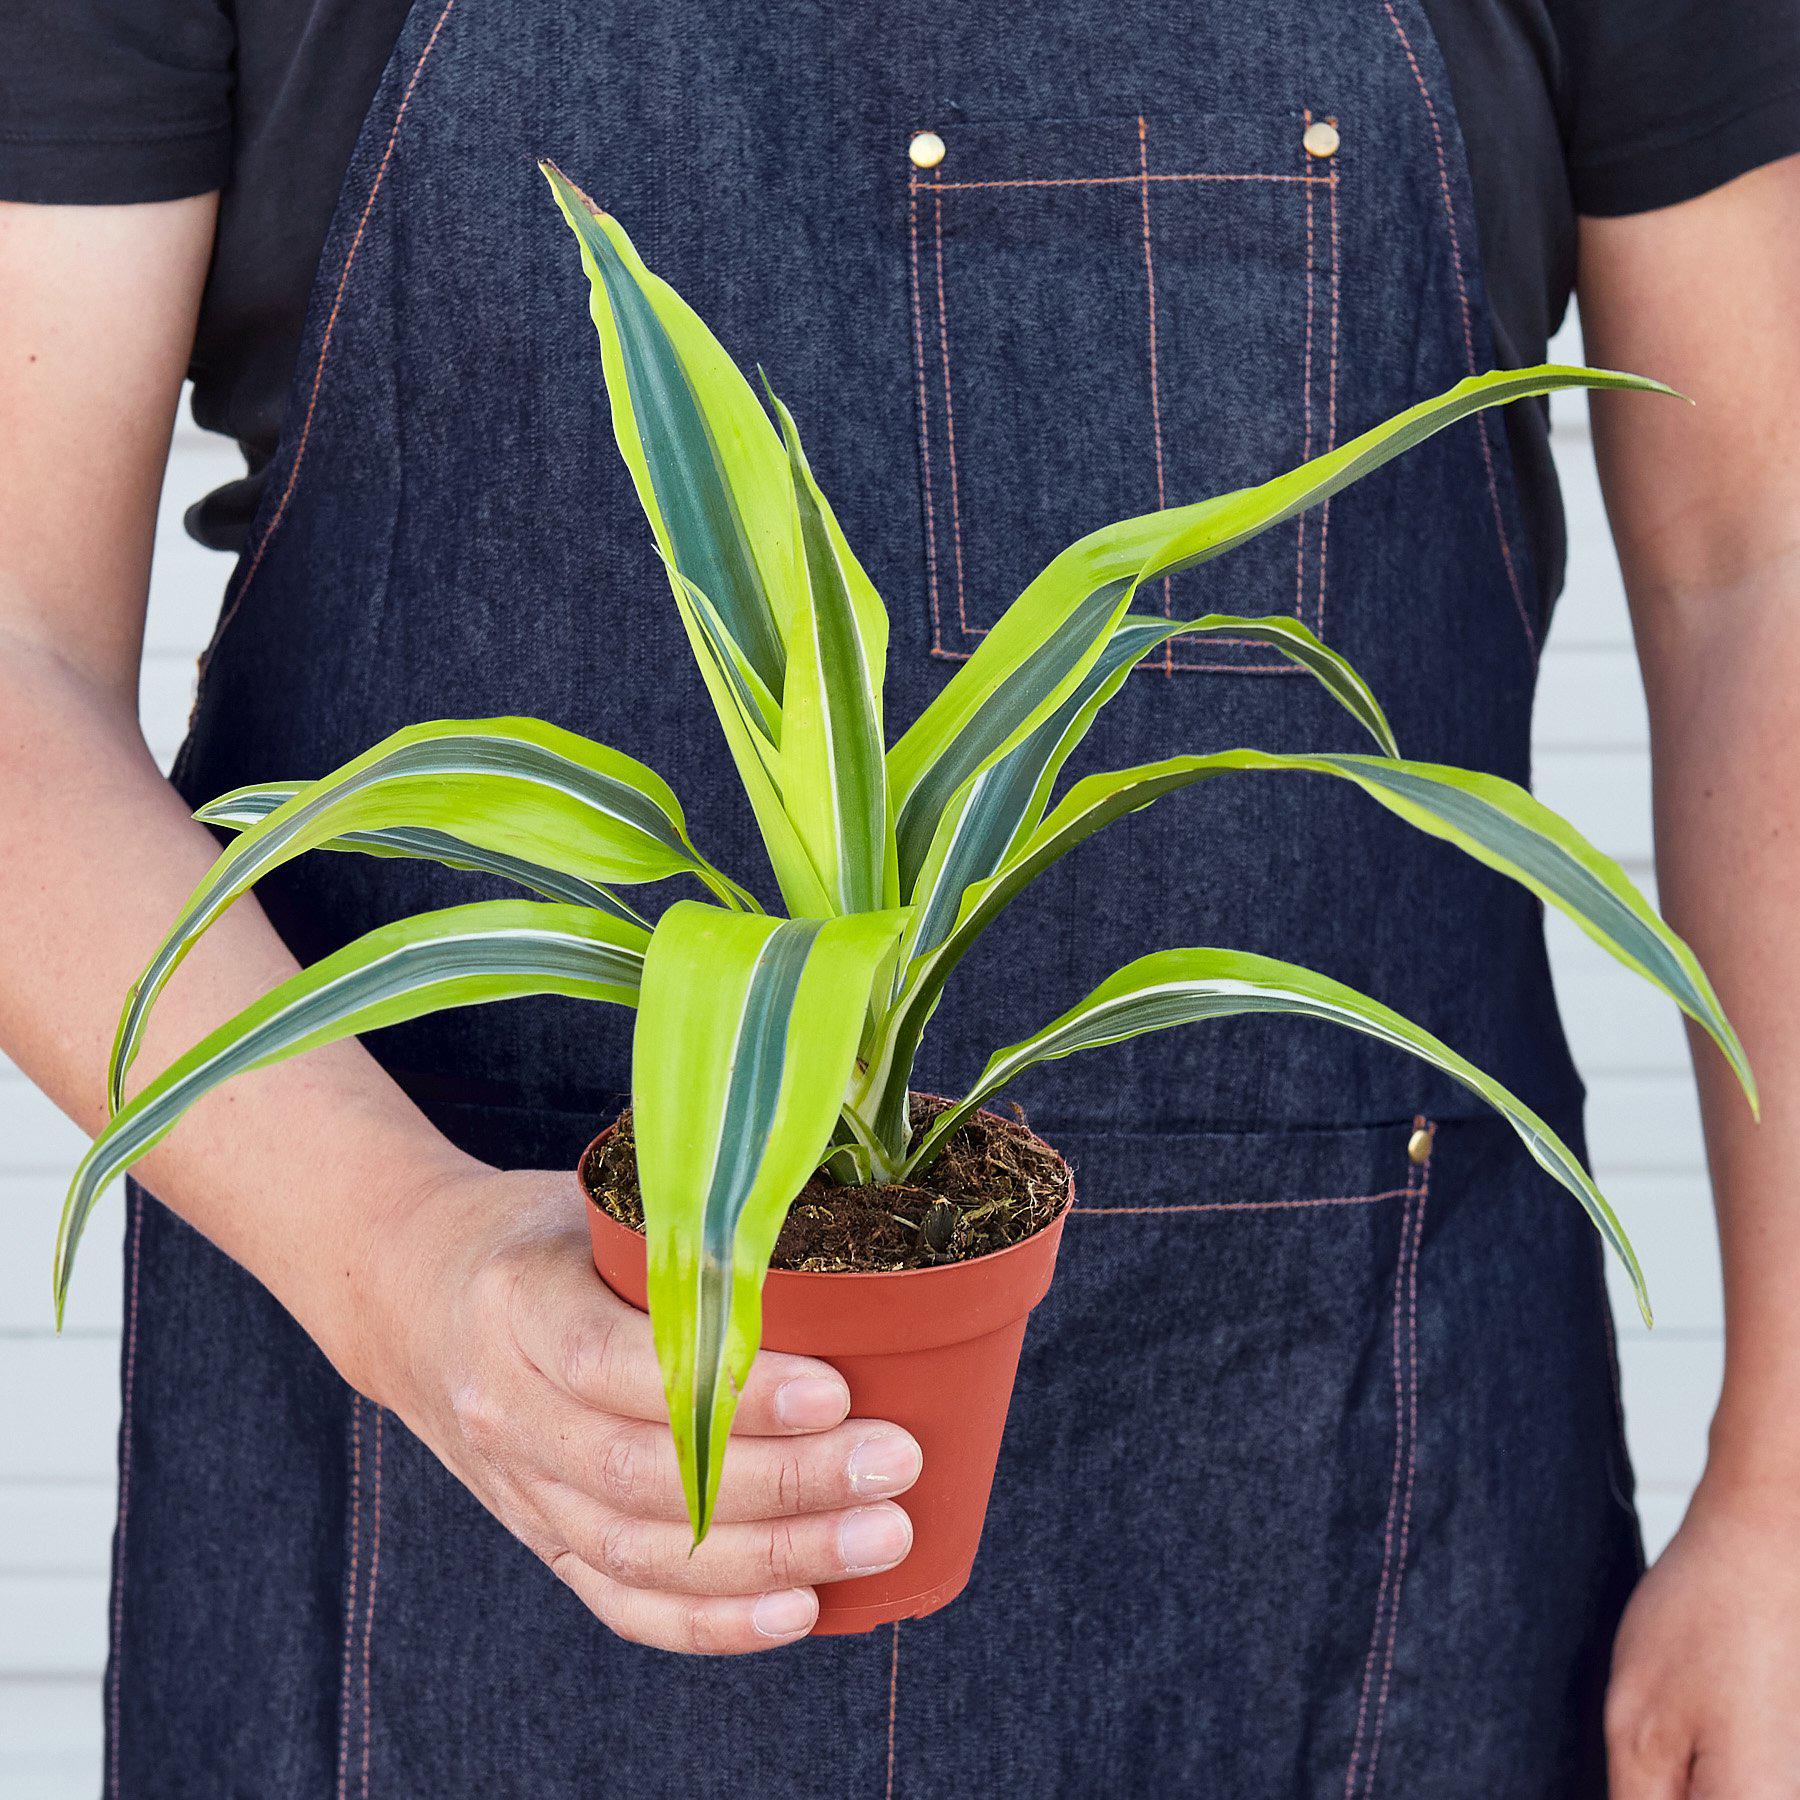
113, 101
1671, 98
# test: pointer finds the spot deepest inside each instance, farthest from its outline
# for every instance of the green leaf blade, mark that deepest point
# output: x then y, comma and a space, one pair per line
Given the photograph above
1057, 627
833, 766
247, 806
746, 1038
708, 469
517, 787
461, 956
1181, 987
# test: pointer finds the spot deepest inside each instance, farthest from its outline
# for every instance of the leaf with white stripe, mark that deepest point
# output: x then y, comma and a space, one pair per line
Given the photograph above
1043, 643
245, 806
751, 722
746, 1038
515, 786
1492, 819
991, 815
833, 772
462, 956
1183, 987
709, 470
1235, 518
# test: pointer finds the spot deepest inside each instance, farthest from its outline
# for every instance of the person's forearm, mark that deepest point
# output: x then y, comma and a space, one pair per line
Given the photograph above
287, 1170
1722, 671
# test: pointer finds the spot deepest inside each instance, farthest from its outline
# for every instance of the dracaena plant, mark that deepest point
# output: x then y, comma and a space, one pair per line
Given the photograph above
767, 1046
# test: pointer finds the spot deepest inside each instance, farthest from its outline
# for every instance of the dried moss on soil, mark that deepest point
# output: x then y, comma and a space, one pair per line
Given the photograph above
994, 1185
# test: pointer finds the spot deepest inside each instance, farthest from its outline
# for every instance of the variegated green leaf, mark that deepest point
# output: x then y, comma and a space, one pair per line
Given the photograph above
463, 956
1043, 644
516, 786
746, 1036
1233, 519
708, 468
1489, 818
245, 806
753, 737
1181, 987
833, 773
991, 815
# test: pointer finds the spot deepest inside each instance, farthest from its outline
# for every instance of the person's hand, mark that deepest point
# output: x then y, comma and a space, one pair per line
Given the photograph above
1704, 1702
486, 1329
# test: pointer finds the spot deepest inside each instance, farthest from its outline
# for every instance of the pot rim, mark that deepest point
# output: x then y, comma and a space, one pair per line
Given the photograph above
987, 1257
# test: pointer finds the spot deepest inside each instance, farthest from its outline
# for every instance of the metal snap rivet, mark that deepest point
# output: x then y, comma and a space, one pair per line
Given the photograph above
927, 150
1321, 138
1418, 1146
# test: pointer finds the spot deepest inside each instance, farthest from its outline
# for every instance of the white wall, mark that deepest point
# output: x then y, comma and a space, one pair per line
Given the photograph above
58, 1401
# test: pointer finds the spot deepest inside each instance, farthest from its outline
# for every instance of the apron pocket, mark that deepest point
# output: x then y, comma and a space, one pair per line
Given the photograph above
1111, 315
1198, 1537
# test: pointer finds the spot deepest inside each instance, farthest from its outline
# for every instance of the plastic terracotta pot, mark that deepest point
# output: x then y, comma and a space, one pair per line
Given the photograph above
935, 1350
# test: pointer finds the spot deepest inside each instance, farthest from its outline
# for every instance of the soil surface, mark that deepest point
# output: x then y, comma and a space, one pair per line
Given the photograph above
994, 1185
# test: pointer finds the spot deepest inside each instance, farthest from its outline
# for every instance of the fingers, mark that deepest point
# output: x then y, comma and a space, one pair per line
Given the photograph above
629, 1466
1648, 1754
598, 1350
755, 1557
706, 1625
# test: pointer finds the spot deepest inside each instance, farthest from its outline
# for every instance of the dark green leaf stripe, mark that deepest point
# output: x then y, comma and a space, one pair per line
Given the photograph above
1233, 519
755, 751
833, 771
986, 821
1491, 819
706, 532
1062, 658
462, 956
1180, 987
245, 806
747, 1035
513, 782
1485, 816
1138, 550
757, 1060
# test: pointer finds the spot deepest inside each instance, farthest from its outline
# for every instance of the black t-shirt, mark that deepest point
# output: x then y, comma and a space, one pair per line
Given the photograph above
1567, 107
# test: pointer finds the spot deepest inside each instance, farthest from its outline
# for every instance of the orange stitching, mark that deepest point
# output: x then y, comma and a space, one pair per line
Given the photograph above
369, 1603
1169, 661
1220, 1206
1387, 1534
949, 414
893, 1706
1417, 1182
931, 562
1412, 1449
1462, 292
1337, 288
1155, 394
118, 1596
343, 1774
1306, 390
951, 187
331, 319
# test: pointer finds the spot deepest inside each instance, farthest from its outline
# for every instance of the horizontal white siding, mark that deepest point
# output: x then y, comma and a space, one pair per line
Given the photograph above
58, 1402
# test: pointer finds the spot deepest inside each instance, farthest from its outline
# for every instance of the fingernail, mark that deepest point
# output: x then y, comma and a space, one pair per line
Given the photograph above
809, 1402
873, 1537
884, 1465
781, 1615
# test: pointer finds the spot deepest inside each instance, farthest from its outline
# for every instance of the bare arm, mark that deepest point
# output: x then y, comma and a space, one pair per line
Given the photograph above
1705, 504
461, 1297
96, 851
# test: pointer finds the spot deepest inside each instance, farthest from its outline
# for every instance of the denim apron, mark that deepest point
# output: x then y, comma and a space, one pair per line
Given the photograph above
1313, 1483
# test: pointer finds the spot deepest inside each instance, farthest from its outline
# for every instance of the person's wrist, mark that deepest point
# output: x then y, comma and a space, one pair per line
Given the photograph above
372, 1298
1753, 1461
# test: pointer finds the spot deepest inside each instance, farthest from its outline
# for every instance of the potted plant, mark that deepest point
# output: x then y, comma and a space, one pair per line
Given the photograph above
772, 1051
